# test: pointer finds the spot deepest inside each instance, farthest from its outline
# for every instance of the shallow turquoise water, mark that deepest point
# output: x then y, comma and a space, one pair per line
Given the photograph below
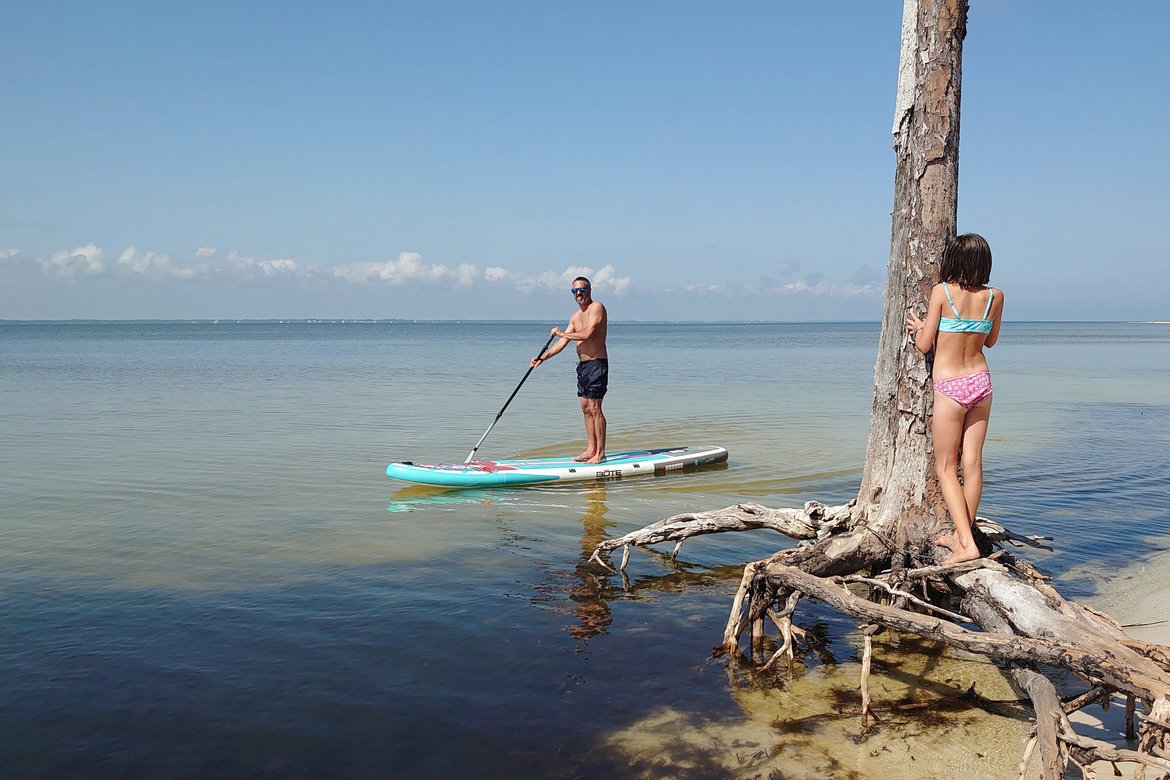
203, 570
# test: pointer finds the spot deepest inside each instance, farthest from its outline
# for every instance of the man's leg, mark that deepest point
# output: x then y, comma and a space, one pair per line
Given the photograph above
598, 437
590, 430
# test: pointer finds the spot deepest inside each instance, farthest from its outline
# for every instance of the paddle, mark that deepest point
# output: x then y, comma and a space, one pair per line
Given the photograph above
471, 454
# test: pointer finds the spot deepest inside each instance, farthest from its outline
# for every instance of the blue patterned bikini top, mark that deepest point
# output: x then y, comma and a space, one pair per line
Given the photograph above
957, 324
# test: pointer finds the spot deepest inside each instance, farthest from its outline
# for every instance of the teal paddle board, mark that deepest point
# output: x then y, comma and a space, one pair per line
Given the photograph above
532, 471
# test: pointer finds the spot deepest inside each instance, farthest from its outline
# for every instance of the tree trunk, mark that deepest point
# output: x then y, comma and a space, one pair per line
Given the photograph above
898, 490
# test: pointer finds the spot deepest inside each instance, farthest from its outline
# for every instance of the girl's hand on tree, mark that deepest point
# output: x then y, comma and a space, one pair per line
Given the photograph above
913, 324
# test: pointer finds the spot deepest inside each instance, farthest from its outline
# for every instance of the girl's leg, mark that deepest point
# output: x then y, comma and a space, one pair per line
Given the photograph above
974, 434
947, 426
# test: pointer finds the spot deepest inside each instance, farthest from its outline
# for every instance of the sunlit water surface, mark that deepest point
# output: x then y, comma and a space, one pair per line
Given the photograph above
205, 572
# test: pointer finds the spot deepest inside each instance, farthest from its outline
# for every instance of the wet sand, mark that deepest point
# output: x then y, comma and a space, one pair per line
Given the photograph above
941, 714
1138, 597
938, 713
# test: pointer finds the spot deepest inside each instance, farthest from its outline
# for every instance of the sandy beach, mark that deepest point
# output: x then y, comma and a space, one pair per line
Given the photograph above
1138, 598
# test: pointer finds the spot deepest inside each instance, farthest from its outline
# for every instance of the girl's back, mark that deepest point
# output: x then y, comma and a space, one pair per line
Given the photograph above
968, 321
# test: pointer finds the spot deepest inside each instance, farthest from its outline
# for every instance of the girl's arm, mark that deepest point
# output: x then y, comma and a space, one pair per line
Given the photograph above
996, 315
923, 331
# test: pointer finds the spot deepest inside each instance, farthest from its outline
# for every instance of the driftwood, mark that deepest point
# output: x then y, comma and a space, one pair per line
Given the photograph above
1025, 622
815, 519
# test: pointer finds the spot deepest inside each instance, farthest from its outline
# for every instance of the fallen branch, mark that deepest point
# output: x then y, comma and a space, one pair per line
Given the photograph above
794, 523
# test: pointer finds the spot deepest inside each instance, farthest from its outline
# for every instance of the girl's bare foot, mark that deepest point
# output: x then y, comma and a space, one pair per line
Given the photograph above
948, 541
584, 456
961, 554
596, 459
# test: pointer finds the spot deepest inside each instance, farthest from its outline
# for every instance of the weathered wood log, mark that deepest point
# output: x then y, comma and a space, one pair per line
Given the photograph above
1055, 634
1025, 621
1089, 654
815, 519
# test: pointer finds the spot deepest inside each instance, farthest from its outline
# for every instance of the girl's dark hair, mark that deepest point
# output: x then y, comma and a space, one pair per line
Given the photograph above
966, 261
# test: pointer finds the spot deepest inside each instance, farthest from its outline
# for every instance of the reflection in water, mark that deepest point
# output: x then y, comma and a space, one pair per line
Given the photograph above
409, 499
588, 595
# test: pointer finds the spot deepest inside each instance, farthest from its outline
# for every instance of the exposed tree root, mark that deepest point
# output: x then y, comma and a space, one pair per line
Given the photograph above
816, 519
1007, 610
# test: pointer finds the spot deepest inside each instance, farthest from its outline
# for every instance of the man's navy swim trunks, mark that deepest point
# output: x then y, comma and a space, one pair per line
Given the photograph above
593, 378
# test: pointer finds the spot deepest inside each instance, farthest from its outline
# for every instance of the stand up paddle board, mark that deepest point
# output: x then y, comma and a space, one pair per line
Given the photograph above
621, 465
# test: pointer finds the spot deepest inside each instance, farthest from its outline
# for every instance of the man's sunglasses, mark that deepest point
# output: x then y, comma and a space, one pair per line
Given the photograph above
578, 290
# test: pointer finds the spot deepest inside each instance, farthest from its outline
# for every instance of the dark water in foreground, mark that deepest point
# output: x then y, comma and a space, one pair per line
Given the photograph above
204, 572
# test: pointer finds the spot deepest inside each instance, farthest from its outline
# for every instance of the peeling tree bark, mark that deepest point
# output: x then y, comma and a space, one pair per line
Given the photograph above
898, 487
891, 526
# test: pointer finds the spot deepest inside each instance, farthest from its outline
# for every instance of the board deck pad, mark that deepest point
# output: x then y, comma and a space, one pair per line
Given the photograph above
531, 471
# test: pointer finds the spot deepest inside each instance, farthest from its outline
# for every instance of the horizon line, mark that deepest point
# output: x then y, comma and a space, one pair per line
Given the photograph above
423, 321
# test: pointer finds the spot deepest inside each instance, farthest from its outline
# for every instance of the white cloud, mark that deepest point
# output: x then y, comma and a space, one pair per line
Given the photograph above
152, 264
812, 286
407, 267
607, 279
546, 281
466, 275
706, 288
245, 267
279, 267
85, 260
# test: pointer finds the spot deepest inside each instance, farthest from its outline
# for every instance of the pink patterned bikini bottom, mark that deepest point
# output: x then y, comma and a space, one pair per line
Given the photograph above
967, 391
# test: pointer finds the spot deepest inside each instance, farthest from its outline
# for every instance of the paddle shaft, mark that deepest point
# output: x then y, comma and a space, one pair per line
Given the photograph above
471, 454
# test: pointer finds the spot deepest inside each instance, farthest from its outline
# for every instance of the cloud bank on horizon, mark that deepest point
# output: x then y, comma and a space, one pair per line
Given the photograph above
406, 271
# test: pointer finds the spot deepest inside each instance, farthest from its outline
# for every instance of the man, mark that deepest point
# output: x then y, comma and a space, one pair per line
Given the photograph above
587, 327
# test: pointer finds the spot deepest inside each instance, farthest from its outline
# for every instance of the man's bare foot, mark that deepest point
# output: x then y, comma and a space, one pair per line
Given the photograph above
961, 555
596, 459
585, 456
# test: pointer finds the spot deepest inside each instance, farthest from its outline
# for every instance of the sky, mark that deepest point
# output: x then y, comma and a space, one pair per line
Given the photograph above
466, 160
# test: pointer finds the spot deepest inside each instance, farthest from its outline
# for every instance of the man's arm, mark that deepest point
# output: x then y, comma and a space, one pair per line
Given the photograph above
590, 321
555, 349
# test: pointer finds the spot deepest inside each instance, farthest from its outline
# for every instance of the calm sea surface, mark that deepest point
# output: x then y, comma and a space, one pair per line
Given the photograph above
205, 573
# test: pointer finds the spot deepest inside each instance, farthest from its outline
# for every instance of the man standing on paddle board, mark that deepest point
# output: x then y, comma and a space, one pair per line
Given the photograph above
587, 327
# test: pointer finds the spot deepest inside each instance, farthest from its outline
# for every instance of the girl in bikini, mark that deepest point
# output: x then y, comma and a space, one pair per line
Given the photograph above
962, 385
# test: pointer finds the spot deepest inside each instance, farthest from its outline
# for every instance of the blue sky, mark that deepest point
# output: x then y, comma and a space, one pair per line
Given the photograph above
444, 160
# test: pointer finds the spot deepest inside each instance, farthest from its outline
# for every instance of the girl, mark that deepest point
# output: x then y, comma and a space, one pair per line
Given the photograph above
962, 382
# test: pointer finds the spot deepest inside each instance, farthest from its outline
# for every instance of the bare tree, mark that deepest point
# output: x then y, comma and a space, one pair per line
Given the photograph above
875, 558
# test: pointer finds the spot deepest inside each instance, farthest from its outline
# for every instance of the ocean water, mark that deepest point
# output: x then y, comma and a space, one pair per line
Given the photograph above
204, 571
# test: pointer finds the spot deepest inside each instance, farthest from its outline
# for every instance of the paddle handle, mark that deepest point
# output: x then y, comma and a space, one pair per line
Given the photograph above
471, 454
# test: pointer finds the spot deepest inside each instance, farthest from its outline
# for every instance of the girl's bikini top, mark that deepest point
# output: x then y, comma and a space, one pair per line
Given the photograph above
957, 324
